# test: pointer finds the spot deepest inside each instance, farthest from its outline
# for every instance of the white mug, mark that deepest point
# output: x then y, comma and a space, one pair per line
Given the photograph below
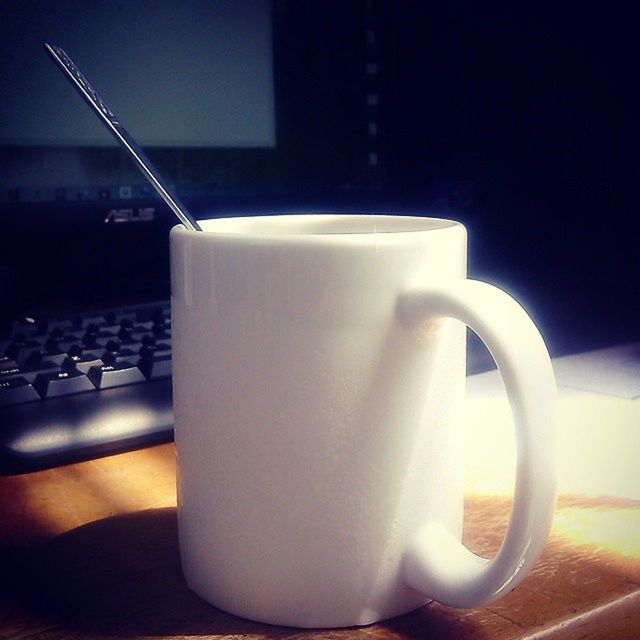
318, 367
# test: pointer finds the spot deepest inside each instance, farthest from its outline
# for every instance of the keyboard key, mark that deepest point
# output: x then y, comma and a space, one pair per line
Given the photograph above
9, 372
28, 357
92, 328
84, 359
64, 382
36, 363
53, 346
115, 349
125, 335
99, 333
115, 375
78, 323
57, 330
161, 332
143, 327
162, 321
156, 367
77, 351
151, 346
16, 390
56, 350
148, 340
59, 327
41, 329
61, 343
128, 317
109, 357
9, 357
6, 362
111, 329
94, 343
159, 314
95, 319
24, 341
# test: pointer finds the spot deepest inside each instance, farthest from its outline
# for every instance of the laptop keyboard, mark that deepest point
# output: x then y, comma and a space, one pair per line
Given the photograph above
63, 378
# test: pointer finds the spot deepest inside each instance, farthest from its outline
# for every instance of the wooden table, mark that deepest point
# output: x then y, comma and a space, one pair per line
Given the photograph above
90, 551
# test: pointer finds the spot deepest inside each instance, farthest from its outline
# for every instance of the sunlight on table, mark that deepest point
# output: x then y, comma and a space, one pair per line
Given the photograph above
597, 457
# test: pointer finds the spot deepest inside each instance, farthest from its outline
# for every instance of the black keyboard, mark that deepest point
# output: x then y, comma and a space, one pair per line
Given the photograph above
82, 386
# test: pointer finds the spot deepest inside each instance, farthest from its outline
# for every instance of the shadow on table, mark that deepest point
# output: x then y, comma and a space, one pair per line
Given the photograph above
121, 576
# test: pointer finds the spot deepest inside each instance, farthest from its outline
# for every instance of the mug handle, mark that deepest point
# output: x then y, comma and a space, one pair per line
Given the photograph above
436, 563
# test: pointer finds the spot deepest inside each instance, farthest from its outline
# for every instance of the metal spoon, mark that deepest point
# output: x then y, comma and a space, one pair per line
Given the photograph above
112, 123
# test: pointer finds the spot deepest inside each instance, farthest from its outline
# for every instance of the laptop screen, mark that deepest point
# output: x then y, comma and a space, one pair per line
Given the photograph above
187, 79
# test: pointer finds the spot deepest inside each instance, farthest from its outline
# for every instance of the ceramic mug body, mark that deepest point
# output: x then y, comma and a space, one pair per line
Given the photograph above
315, 424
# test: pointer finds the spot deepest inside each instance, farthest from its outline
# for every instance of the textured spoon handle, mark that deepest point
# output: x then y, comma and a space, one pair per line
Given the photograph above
109, 119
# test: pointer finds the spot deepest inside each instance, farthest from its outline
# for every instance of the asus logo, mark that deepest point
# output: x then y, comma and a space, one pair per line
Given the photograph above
143, 214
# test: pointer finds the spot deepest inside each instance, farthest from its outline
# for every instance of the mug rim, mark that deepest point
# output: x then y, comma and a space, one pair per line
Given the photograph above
320, 225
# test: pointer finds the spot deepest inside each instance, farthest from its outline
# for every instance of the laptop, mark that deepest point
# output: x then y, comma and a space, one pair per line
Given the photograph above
274, 107
221, 97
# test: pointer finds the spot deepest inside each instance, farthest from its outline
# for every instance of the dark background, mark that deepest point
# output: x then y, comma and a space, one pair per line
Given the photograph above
520, 122
530, 116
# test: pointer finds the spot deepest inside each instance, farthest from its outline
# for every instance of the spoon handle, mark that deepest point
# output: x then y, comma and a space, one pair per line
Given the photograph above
109, 119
